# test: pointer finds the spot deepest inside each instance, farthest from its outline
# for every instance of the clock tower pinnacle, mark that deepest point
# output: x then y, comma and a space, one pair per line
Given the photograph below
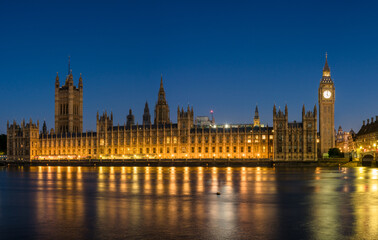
326, 98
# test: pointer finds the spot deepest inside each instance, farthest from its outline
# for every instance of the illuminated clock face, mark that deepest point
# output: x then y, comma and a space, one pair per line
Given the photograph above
327, 94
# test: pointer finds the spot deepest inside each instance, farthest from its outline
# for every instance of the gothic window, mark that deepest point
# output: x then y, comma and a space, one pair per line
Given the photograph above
241, 149
206, 149
199, 149
167, 149
234, 149
213, 149
174, 150
249, 149
220, 149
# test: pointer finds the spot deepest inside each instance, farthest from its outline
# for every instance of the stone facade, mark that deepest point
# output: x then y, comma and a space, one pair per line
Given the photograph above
295, 140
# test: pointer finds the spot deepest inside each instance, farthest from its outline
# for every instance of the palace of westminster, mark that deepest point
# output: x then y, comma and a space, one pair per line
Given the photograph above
161, 138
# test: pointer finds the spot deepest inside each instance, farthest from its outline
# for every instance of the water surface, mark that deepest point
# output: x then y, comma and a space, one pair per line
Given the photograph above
181, 203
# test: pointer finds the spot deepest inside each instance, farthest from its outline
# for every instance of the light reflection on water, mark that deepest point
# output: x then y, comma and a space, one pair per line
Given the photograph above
180, 202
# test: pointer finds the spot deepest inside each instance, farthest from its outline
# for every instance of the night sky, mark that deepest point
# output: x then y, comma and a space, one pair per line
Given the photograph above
220, 55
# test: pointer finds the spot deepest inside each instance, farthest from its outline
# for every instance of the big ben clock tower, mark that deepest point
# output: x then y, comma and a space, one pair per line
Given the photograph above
326, 98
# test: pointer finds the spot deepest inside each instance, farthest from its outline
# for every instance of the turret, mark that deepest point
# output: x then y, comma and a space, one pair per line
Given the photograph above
44, 128
184, 118
146, 115
130, 118
256, 119
80, 82
57, 80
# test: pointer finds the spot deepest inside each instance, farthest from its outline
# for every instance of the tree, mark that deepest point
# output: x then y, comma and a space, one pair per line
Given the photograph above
335, 152
3, 143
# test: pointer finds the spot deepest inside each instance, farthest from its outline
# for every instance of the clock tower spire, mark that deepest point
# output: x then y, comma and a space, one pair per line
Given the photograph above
326, 98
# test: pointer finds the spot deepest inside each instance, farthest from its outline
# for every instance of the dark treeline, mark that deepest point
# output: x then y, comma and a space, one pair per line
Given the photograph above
3, 144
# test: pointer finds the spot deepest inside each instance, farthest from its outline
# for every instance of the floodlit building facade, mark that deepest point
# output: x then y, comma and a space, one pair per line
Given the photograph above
160, 138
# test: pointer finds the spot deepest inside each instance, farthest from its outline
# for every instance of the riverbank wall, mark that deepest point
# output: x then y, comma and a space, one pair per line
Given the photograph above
185, 162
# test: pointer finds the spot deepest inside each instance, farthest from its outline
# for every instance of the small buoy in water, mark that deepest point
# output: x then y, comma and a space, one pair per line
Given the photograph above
218, 193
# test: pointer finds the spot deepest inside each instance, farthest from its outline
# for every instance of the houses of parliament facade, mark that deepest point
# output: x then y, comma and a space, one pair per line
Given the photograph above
161, 138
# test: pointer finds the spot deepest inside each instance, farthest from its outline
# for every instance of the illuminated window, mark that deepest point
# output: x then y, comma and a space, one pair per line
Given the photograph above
263, 137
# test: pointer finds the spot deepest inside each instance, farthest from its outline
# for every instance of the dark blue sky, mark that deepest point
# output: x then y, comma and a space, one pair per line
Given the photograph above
221, 55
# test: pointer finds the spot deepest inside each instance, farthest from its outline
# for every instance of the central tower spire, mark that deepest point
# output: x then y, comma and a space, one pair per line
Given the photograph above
161, 108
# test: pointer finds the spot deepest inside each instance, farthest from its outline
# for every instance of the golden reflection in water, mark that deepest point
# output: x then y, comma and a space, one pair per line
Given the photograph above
229, 176
58, 198
186, 182
172, 181
333, 202
365, 202
159, 183
147, 181
200, 181
214, 180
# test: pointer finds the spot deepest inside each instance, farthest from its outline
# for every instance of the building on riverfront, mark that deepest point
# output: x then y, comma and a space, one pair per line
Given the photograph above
366, 144
164, 139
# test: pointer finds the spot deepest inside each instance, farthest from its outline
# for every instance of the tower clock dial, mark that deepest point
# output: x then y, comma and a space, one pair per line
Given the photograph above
327, 94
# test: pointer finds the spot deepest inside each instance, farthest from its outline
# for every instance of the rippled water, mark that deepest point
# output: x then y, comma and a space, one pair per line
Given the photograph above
181, 202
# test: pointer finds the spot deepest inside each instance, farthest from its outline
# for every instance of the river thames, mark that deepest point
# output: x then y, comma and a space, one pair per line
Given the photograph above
181, 203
